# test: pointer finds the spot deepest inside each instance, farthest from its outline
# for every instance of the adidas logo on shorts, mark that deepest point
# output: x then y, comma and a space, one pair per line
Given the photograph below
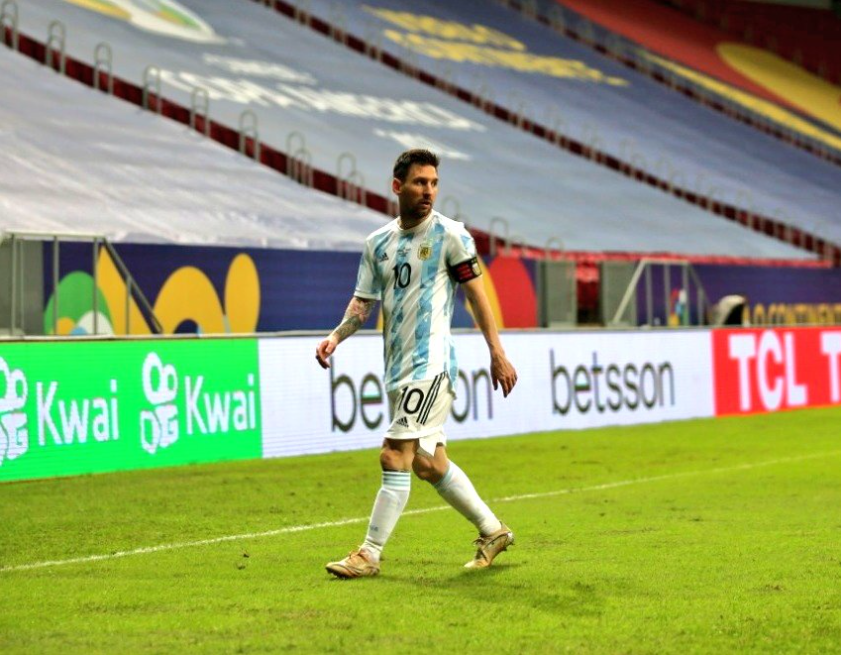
402, 421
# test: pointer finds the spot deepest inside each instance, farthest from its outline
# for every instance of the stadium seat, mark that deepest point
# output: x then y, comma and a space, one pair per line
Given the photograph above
79, 161
566, 85
353, 112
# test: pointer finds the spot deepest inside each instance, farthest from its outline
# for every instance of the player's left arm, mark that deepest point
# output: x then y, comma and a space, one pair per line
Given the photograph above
502, 371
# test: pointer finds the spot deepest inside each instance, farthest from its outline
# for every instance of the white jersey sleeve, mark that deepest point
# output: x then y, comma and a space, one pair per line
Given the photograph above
368, 280
462, 262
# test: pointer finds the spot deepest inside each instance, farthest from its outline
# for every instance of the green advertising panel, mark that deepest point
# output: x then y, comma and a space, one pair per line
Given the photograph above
74, 407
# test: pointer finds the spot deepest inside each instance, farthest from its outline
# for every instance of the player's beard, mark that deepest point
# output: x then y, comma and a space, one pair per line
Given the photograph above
420, 210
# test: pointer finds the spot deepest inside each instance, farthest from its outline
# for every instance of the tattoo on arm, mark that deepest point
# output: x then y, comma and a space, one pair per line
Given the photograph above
358, 311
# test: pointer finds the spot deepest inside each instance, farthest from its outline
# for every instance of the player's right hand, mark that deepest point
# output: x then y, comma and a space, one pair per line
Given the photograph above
325, 350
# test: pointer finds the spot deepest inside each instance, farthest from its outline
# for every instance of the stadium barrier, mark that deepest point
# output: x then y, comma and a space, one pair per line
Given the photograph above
87, 406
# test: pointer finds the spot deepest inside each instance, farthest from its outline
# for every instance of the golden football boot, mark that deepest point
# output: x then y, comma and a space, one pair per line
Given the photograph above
356, 565
489, 547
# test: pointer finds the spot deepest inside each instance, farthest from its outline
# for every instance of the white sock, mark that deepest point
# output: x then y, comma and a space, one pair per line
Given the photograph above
391, 499
455, 487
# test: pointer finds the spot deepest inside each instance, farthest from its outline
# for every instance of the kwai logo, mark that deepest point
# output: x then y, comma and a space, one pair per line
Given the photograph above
72, 420
14, 437
219, 412
204, 412
166, 17
159, 426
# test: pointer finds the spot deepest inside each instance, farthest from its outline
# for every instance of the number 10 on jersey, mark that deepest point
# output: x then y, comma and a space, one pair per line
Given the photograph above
402, 275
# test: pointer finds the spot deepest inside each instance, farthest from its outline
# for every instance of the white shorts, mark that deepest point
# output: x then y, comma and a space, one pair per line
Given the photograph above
419, 411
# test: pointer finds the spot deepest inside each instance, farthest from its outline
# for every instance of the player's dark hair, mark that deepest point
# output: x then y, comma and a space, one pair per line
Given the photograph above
417, 156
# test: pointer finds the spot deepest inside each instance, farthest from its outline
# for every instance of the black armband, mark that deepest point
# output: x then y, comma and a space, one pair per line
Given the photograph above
466, 270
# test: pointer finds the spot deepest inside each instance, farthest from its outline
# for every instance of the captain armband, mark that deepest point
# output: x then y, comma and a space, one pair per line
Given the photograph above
466, 270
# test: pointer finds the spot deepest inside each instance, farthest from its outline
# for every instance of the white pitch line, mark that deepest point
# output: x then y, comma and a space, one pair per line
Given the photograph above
335, 524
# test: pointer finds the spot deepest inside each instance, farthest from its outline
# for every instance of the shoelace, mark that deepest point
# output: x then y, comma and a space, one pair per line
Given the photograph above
353, 555
358, 553
485, 541
480, 543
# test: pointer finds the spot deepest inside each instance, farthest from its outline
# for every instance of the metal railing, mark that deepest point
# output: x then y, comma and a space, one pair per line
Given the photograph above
644, 269
249, 128
56, 40
103, 64
493, 235
350, 182
200, 109
17, 239
299, 160
9, 21
300, 166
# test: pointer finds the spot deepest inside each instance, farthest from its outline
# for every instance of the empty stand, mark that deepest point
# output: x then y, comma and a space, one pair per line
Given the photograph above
351, 112
807, 36
75, 160
712, 52
562, 84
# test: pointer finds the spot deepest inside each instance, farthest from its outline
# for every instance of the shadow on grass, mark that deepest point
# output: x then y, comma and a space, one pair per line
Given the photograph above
501, 586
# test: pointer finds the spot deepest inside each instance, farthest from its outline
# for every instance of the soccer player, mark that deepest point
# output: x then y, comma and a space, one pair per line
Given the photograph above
412, 265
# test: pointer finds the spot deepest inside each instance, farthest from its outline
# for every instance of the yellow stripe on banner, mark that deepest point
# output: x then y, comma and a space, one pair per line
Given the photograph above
113, 287
242, 295
810, 93
176, 18
490, 292
763, 107
188, 294
103, 7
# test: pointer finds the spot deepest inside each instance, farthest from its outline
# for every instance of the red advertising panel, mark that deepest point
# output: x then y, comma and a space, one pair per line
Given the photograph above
759, 371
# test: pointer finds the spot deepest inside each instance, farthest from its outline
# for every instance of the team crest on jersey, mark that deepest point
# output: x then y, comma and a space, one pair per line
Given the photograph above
425, 251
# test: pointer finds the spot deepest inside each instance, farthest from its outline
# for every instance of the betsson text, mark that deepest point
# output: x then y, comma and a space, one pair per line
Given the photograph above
611, 387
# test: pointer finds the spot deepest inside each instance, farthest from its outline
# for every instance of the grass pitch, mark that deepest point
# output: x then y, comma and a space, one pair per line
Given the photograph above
699, 536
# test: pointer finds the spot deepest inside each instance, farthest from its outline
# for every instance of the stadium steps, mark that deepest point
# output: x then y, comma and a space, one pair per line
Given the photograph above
586, 270
128, 91
268, 155
807, 36
76, 161
658, 29
278, 161
763, 224
324, 181
581, 30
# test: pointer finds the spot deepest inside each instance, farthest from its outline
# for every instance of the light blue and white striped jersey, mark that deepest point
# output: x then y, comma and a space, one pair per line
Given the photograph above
410, 272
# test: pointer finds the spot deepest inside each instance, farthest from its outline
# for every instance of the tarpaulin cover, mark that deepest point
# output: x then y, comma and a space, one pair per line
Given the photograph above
296, 81
556, 81
75, 160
